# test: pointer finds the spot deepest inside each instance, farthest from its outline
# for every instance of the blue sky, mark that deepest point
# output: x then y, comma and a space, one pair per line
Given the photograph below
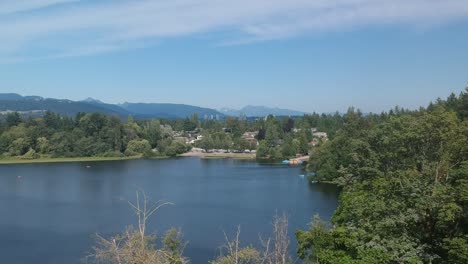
321, 55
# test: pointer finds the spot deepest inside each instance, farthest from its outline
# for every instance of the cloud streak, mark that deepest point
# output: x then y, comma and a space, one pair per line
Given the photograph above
90, 27
14, 6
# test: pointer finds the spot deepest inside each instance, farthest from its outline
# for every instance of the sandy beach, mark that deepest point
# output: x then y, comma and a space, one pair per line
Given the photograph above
201, 154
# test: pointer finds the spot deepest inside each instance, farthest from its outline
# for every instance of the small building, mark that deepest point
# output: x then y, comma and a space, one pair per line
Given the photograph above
251, 137
314, 142
192, 134
321, 135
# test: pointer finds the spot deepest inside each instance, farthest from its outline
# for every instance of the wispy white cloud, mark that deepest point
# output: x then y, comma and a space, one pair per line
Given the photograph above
13, 6
89, 27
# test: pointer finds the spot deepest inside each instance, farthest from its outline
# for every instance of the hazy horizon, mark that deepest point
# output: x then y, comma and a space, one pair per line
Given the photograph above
321, 56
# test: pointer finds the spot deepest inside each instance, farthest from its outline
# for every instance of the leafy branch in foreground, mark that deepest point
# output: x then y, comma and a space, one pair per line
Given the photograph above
135, 246
275, 249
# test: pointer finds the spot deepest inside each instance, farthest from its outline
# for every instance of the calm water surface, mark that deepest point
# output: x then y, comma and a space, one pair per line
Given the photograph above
49, 213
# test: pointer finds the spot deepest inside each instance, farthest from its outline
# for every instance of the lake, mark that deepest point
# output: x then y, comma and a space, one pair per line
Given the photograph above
49, 212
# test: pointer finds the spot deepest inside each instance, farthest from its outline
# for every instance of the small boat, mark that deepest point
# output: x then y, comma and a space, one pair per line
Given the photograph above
285, 162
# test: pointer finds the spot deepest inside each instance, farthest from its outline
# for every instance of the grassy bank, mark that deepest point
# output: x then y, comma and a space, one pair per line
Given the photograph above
13, 160
59, 160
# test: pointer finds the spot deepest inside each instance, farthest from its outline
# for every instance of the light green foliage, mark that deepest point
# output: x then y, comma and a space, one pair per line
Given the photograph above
289, 148
136, 246
175, 148
457, 250
136, 147
247, 255
152, 132
31, 154
262, 150
43, 145
216, 140
273, 131
172, 243
240, 144
236, 126
19, 146
326, 123
131, 129
273, 250
278, 139
274, 153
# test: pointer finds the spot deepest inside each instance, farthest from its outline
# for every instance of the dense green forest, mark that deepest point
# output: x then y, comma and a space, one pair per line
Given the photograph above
86, 135
405, 188
101, 135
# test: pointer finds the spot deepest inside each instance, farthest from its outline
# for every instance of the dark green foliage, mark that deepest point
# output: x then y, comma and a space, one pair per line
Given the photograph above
13, 119
261, 134
405, 180
326, 123
176, 147
288, 124
189, 124
88, 135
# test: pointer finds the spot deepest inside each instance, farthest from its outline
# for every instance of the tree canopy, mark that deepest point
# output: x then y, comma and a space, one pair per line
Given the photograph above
405, 179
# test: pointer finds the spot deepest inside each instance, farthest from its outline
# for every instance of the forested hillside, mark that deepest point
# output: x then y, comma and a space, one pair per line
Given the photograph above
170, 110
63, 107
405, 188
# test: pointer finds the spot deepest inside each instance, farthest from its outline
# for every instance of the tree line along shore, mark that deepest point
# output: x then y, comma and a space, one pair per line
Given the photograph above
96, 136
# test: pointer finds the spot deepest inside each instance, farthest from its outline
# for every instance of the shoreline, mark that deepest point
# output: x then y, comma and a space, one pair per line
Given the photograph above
205, 155
12, 161
201, 155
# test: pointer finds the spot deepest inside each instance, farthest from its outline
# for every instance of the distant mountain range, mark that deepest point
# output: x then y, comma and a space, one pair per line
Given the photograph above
260, 111
36, 106
170, 110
